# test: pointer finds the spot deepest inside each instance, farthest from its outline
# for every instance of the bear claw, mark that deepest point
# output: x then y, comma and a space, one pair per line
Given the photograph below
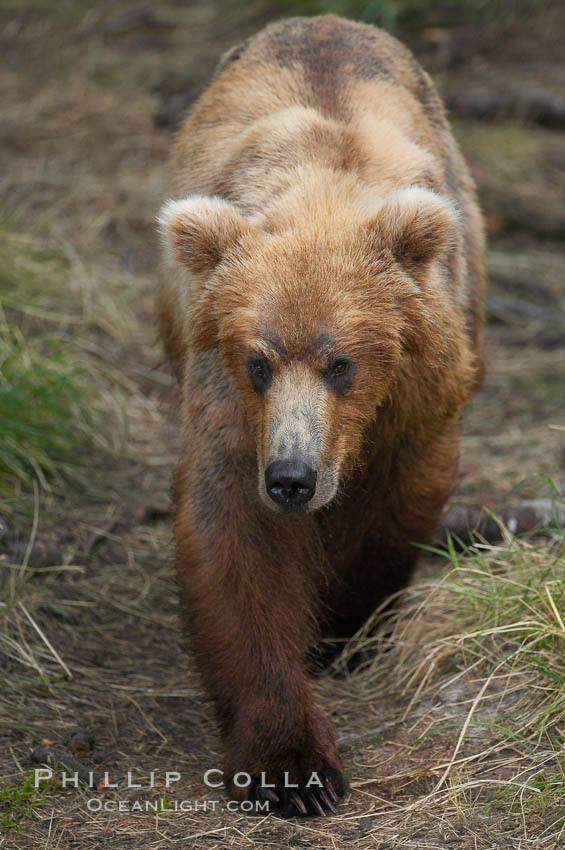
303, 801
297, 801
267, 794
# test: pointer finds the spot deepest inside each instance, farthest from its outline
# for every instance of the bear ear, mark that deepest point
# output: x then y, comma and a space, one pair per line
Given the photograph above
198, 231
417, 225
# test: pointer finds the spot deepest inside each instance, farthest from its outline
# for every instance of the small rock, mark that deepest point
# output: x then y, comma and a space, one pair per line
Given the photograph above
80, 742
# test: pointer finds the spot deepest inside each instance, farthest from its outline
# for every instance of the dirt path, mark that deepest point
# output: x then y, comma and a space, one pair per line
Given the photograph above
84, 158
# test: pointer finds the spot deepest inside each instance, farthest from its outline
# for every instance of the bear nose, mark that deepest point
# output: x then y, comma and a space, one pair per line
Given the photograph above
290, 482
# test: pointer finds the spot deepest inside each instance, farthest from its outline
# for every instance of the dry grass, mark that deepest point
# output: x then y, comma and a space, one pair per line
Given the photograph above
54, 416
452, 731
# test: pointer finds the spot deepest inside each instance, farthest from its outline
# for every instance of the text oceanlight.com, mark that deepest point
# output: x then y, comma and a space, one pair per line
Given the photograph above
95, 804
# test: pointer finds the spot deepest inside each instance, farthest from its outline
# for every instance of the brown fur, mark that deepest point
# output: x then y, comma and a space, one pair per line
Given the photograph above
331, 214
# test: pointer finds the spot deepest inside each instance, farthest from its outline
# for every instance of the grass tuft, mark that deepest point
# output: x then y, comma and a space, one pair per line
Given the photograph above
53, 416
45, 418
478, 663
19, 801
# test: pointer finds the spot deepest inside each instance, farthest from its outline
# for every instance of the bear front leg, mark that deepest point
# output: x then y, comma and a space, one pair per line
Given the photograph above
395, 514
246, 580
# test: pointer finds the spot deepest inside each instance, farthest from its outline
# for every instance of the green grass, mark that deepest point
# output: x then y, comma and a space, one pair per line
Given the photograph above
18, 801
398, 16
45, 420
56, 416
484, 645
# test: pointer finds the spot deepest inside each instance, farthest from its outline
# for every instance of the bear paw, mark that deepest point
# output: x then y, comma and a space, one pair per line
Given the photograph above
317, 794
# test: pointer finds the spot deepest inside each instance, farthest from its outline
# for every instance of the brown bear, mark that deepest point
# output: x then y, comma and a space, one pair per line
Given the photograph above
321, 303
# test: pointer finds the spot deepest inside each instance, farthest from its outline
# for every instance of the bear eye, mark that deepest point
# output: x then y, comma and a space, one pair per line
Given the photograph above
339, 374
339, 368
259, 372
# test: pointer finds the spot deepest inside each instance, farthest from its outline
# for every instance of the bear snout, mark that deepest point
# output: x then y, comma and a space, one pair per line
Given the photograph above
290, 483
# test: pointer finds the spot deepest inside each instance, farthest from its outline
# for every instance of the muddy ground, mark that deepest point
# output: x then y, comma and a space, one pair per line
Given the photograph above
90, 94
